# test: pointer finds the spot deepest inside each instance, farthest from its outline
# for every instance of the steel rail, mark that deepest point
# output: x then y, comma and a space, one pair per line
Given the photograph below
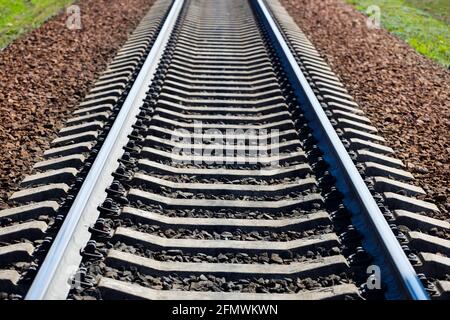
53, 278
388, 254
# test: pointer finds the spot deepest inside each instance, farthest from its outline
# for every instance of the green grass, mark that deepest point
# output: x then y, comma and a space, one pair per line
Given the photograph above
439, 9
423, 24
20, 16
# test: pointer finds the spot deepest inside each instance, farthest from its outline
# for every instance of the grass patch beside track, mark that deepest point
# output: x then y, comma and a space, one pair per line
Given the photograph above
20, 16
423, 24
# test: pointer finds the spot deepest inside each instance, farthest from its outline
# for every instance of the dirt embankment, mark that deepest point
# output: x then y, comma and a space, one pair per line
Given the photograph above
406, 95
44, 74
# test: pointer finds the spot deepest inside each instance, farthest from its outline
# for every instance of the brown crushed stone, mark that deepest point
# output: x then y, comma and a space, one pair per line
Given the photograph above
44, 74
405, 94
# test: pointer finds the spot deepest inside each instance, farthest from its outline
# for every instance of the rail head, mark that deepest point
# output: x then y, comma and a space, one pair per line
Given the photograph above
380, 241
61, 262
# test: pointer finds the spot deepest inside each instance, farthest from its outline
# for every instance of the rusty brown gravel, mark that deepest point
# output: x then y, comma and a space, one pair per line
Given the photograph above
405, 94
44, 74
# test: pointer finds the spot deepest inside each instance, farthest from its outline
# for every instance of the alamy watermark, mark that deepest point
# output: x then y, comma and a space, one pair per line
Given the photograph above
374, 279
73, 21
373, 17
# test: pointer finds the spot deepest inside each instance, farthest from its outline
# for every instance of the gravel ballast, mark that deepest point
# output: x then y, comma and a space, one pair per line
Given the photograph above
45, 74
405, 94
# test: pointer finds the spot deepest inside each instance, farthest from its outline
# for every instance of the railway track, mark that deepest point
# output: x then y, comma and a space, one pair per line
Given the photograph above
219, 157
